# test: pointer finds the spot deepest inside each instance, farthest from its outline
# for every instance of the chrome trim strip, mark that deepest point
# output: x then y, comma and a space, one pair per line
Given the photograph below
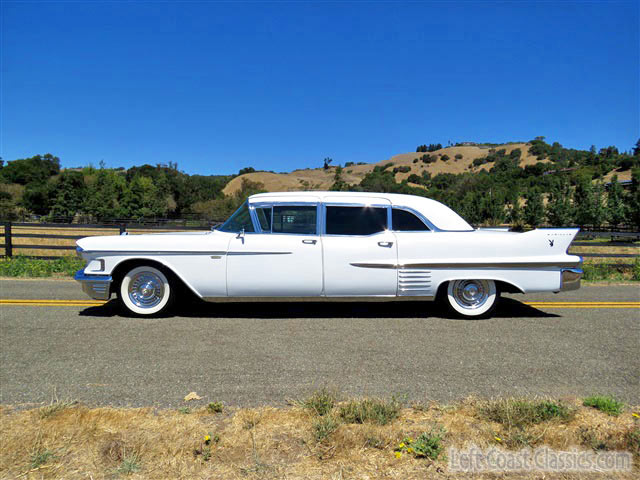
570, 279
152, 252
230, 254
379, 298
468, 265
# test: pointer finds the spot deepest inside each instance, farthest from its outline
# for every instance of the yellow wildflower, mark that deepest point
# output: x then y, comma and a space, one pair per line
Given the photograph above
634, 414
207, 438
410, 440
398, 454
409, 450
401, 445
498, 439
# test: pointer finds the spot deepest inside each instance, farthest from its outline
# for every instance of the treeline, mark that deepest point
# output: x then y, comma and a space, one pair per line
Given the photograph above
37, 186
568, 190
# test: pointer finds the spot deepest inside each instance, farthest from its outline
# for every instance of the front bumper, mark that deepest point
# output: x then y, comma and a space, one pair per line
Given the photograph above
570, 279
97, 287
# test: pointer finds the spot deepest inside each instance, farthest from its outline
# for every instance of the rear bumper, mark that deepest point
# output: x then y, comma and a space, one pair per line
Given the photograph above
97, 287
570, 279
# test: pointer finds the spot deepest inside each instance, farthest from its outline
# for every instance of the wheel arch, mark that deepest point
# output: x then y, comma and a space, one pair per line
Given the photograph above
122, 267
502, 285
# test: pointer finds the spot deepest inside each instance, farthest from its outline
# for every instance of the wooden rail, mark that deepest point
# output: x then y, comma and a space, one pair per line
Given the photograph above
618, 239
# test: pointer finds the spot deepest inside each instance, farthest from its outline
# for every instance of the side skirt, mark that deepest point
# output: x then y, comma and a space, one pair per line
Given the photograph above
386, 298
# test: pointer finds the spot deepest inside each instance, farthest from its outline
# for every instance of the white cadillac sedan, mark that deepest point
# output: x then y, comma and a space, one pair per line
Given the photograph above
317, 246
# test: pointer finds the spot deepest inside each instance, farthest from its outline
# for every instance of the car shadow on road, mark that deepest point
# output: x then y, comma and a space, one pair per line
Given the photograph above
507, 308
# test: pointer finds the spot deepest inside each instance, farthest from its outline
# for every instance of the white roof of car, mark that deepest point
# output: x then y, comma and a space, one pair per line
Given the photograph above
437, 213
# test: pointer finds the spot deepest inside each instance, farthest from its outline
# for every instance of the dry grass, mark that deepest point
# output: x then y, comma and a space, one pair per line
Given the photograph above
99, 443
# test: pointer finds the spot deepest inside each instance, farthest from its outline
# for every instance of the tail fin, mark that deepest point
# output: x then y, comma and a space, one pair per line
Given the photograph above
559, 239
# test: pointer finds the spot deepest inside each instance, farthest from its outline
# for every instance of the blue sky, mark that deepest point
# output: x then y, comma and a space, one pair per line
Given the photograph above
217, 86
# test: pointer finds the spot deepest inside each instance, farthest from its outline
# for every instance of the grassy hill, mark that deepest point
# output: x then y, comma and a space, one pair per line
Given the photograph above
460, 160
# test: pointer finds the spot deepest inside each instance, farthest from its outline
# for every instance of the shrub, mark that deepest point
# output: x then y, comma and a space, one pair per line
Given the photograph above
444, 158
635, 272
604, 403
215, 407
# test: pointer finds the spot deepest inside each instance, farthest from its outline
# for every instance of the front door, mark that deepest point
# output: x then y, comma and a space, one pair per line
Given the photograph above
284, 259
360, 253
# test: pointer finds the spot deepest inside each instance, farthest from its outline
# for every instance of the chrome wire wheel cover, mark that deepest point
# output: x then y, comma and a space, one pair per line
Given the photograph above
471, 294
146, 289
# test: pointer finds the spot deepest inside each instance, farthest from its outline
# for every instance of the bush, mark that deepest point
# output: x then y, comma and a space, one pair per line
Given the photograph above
604, 403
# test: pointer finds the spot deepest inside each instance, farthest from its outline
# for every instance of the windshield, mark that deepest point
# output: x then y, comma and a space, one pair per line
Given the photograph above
240, 220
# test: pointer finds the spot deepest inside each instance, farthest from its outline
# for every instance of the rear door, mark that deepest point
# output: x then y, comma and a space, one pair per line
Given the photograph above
360, 253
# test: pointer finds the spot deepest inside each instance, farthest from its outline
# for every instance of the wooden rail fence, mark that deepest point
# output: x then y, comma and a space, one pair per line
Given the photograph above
16, 230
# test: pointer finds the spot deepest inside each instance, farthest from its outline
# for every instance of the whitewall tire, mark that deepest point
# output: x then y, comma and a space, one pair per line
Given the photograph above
145, 290
472, 298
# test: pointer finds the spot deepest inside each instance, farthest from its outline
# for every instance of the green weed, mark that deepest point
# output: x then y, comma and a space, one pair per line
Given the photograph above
321, 402
374, 410
427, 445
323, 427
22, 266
604, 403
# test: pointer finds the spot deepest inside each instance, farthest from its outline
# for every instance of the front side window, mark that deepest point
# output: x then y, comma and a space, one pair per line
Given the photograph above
404, 221
356, 220
294, 219
240, 220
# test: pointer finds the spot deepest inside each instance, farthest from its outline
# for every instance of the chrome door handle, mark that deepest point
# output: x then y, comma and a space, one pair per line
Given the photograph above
385, 244
309, 242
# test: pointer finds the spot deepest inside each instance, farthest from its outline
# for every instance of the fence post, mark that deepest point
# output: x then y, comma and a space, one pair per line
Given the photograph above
123, 228
8, 247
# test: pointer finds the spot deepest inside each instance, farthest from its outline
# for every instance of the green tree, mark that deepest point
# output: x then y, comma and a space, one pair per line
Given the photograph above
633, 211
616, 208
70, 194
560, 211
327, 161
534, 209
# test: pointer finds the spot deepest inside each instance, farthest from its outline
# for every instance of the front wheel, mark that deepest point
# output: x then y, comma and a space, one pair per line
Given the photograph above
472, 298
145, 290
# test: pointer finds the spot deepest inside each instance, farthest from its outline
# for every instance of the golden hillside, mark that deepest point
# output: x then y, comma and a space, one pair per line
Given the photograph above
320, 179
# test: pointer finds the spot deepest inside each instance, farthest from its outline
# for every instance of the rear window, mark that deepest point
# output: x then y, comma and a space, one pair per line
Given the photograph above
404, 221
356, 220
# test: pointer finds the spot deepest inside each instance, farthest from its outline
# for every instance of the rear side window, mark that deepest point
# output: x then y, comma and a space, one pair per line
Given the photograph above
356, 220
404, 221
298, 219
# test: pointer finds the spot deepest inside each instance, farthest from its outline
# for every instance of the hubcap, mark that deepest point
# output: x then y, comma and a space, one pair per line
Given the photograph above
470, 294
146, 290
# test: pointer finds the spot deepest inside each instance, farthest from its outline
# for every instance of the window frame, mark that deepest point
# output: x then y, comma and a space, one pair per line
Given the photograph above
256, 220
252, 217
354, 205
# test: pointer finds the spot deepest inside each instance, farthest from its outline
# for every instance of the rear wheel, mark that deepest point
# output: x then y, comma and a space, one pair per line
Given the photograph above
472, 298
145, 290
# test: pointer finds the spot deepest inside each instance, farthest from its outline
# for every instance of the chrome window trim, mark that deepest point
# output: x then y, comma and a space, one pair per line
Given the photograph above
356, 205
425, 220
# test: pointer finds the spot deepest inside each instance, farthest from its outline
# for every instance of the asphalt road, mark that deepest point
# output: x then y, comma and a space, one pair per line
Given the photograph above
265, 353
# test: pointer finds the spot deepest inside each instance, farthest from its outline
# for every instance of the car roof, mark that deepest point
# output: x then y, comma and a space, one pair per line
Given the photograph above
437, 213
